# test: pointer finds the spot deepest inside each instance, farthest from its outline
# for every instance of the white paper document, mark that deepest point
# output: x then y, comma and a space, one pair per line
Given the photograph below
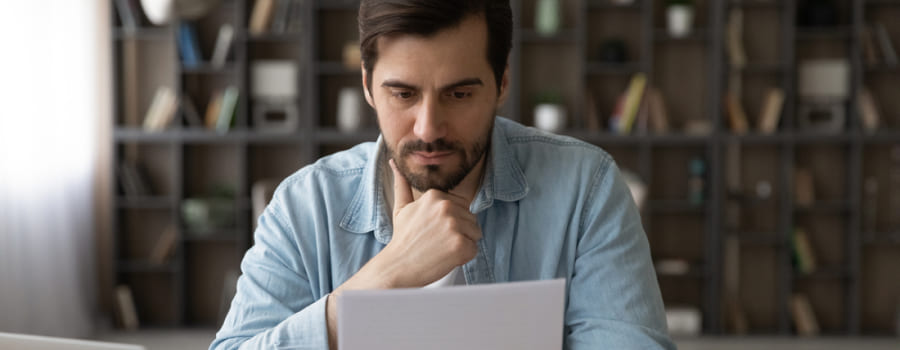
517, 315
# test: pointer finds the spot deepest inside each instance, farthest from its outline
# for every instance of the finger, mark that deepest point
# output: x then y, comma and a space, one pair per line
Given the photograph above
402, 192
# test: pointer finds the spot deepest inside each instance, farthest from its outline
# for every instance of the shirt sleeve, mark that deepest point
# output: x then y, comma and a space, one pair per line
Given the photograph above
614, 298
274, 306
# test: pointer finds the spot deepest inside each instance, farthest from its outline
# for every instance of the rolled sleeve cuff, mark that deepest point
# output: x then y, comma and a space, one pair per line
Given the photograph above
306, 329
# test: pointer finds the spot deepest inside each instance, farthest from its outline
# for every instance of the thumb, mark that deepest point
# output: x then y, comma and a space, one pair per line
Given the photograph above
402, 192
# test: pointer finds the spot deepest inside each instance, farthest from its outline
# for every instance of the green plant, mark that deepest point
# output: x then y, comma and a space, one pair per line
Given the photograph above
548, 97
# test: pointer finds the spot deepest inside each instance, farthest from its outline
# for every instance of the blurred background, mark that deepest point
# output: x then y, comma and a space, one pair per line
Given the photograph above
761, 139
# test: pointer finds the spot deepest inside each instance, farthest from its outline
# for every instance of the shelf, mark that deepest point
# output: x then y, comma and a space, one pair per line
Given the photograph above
608, 5
563, 37
825, 207
221, 236
335, 68
605, 137
335, 136
282, 38
757, 138
881, 238
146, 266
882, 136
768, 4
136, 134
338, 5
824, 273
604, 68
764, 68
675, 206
813, 137
208, 68
760, 238
144, 33
152, 202
697, 35
824, 33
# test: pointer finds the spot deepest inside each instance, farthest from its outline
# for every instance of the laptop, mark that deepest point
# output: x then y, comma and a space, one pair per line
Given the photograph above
35, 342
517, 315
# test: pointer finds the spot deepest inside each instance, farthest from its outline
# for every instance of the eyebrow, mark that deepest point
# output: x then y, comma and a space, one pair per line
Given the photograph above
391, 83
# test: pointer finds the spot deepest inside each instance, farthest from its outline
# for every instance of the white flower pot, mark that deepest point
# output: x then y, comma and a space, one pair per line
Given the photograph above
349, 109
550, 117
680, 19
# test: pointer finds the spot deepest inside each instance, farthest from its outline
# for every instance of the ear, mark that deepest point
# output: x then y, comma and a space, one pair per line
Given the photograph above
504, 87
365, 85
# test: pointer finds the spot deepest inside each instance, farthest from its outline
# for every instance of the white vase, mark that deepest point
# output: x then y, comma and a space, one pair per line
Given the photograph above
546, 20
680, 19
550, 117
349, 109
159, 12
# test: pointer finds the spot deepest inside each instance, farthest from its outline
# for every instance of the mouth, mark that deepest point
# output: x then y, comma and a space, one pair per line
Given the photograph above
431, 158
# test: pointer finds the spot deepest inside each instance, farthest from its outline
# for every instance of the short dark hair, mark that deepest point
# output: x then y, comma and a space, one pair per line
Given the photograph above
379, 18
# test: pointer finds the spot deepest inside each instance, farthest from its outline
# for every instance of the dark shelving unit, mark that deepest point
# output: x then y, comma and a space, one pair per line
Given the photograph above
692, 74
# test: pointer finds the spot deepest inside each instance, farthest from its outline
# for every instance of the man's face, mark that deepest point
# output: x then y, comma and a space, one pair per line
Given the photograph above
436, 98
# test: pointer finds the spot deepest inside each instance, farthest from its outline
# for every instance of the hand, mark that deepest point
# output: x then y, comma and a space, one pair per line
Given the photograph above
432, 235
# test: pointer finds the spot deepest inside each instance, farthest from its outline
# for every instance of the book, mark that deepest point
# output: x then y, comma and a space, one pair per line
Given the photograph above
133, 181
227, 111
223, 45
164, 247
804, 257
280, 17
634, 95
804, 190
804, 317
127, 14
887, 47
737, 118
261, 16
127, 312
162, 109
188, 45
870, 49
734, 38
191, 114
659, 118
771, 110
295, 19
212, 110
868, 110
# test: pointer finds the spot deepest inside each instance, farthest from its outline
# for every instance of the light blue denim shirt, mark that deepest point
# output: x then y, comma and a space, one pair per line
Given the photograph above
549, 207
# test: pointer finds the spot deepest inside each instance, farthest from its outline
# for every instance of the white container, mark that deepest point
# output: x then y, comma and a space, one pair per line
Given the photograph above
349, 109
274, 80
159, 12
680, 20
550, 117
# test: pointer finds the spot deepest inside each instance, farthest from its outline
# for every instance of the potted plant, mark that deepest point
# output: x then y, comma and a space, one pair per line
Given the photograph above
679, 17
549, 111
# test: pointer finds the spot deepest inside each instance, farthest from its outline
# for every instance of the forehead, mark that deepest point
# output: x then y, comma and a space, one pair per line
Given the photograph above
448, 54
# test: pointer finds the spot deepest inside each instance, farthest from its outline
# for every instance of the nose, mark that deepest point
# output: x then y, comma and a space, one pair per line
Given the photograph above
430, 125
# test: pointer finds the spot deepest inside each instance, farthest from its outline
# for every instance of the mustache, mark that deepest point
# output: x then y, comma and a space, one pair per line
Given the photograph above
436, 146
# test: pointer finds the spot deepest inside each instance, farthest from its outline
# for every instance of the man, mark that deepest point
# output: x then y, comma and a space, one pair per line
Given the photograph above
448, 194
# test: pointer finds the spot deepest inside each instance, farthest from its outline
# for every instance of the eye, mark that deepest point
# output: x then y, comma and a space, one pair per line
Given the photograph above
460, 94
403, 95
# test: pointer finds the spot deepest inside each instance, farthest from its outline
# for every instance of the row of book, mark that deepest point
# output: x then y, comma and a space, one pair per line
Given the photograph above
276, 17
875, 40
189, 46
219, 115
638, 109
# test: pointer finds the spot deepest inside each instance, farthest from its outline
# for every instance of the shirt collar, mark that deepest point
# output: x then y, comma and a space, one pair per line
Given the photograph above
369, 211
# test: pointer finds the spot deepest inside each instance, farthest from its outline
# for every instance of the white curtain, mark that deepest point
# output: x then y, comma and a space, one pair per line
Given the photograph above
51, 79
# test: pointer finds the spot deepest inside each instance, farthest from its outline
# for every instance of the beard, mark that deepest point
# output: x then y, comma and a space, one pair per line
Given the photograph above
442, 177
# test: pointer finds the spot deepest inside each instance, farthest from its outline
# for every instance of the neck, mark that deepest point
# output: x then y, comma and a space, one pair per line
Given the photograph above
469, 185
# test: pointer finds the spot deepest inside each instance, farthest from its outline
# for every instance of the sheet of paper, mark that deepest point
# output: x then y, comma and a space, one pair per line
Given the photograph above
517, 315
